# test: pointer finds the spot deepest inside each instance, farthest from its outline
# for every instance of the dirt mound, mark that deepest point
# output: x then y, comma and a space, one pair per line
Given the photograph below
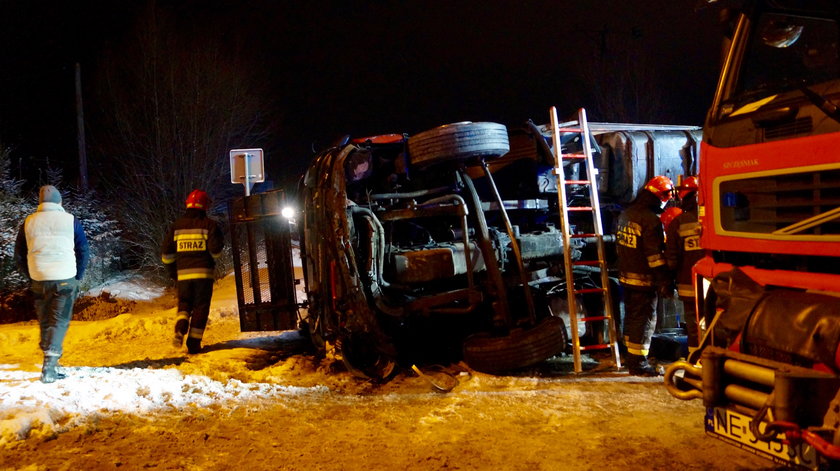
19, 306
16, 306
104, 306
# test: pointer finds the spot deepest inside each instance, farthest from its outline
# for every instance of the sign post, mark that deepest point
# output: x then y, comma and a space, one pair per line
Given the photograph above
247, 167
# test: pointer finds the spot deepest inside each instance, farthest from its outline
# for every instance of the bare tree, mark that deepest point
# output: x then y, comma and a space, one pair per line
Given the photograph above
624, 84
13, 210
174, 101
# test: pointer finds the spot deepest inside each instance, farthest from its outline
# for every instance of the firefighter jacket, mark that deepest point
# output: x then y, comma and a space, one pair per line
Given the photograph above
683, 247
51, 245
640, 244
192, 245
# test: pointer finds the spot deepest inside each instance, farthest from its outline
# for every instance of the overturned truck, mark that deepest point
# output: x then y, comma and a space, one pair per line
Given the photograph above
442, 246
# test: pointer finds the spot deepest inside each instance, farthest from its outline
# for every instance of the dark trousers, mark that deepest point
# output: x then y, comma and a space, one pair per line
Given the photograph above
54, 306
194, 304
639, 319
692, 330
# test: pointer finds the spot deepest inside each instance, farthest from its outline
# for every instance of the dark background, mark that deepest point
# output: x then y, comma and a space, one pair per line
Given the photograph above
336, 68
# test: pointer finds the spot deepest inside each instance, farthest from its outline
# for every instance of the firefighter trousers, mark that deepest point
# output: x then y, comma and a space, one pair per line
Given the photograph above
194, 304
639, 319
692, 328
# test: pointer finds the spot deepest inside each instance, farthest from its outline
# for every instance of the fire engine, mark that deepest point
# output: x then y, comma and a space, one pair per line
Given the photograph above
768, 289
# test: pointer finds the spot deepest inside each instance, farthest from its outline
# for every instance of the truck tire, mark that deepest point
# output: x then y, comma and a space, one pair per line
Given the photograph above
363, 356
519, 349
458, 141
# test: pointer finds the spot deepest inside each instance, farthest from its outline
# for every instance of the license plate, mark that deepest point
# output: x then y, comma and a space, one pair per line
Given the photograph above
734, 428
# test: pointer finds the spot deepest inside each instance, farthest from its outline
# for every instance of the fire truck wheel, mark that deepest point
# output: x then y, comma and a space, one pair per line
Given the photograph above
458, 141
521, 348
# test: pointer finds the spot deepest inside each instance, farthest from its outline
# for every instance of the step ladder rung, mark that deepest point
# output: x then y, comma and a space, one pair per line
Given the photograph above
587, 263
579, 208
589, 290
577, 182
573, 156
594, 318
600, 346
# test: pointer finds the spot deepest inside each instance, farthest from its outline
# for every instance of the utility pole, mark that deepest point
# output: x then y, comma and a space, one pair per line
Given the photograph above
80, 124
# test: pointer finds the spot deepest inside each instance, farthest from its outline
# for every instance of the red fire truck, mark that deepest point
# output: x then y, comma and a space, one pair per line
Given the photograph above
768, 289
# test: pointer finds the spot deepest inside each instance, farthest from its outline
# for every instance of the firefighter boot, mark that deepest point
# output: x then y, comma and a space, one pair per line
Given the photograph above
50, 372
637, 365
181, 327
193, 345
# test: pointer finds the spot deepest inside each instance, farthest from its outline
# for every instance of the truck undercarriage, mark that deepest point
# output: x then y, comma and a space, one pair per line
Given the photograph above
397, 263
443, 246
412, 255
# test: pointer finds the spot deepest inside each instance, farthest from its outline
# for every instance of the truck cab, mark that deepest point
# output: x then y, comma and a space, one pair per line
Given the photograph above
768, 288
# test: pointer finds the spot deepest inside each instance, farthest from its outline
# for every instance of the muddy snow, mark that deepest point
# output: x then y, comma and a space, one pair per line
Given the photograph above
261, 401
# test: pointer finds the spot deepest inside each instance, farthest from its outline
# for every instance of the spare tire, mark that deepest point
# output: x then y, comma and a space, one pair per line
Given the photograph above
458, 141
520, 348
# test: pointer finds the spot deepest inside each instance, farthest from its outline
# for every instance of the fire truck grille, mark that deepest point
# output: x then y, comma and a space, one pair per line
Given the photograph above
798, 127
805, 203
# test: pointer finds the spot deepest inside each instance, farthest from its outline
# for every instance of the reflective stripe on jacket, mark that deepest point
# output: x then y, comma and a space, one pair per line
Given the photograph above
640, 244
683, 249
192, 244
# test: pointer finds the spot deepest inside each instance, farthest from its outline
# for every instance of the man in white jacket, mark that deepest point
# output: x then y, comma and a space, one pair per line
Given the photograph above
52, 251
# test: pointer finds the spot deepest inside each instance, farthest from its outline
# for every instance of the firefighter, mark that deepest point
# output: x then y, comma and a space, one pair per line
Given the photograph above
189, 251
643, 272
682, 251
670, 213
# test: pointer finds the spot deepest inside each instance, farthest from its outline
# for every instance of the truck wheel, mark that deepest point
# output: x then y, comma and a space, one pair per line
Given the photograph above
363, 356
458, 141
521, 348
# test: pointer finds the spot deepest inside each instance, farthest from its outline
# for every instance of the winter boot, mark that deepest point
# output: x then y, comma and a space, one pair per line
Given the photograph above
181, 327
50, 372
193, 345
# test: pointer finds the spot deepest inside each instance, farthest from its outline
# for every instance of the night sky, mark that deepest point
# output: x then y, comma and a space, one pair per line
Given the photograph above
335, 68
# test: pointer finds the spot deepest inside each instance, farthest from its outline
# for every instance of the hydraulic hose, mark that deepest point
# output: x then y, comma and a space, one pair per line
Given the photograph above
501, 308
514, 244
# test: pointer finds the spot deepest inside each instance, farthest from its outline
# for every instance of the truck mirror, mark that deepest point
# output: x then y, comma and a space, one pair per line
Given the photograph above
781, 34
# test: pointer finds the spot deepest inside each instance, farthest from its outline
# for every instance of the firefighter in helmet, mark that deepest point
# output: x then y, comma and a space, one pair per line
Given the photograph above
189, 251
682, 251
643, 272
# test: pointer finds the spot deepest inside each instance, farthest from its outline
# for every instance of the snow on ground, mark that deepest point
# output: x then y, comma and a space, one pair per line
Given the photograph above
131, 288
111, 368
262, 401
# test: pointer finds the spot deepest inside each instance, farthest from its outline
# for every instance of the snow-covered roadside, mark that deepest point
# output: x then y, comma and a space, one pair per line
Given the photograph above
31, 408
261, 401
125, 365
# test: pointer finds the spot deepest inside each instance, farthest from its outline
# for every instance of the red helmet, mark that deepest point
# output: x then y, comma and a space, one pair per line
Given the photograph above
669, 215
689, 184
662, 187
198, 199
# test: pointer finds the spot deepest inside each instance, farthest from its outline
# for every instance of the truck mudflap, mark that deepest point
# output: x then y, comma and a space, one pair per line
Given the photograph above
788, 414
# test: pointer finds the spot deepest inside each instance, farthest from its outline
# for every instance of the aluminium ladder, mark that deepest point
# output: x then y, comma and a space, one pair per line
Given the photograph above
593, 207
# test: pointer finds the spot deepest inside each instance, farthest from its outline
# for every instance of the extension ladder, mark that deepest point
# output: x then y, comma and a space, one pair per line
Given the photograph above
593, 207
